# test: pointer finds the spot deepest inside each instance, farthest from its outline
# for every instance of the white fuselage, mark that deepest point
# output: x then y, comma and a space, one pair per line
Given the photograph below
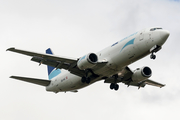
118, 55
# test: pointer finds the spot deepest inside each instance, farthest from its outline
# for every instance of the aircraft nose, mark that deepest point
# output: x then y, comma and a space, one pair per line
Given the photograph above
164, 35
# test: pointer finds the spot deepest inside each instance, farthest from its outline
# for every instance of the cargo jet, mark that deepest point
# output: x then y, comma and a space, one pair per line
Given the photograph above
110, 64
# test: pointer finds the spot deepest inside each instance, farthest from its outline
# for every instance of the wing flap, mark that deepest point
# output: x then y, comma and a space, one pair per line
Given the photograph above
41, 82
58, 64
53, 63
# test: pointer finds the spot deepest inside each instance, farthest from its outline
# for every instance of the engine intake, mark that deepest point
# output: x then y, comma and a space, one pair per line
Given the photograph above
87, 61
141, 74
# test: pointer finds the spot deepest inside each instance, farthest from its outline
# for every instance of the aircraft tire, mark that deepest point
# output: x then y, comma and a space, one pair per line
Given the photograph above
88, 80
112, 86
153, 56
83, 79
116, 87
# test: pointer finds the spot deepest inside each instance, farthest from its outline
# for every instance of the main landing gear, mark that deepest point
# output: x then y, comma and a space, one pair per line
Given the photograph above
114, 86
86, 78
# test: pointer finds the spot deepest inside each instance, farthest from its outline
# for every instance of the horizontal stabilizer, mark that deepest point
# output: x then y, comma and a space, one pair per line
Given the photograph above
41, 82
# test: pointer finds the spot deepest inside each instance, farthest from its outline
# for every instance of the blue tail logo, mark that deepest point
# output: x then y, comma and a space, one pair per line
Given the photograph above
52, 71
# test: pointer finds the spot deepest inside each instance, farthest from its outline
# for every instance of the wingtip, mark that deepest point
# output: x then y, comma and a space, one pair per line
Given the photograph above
14, 77
163, 85
10, 49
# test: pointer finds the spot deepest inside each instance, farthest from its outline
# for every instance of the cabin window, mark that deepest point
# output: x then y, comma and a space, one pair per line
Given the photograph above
114, 44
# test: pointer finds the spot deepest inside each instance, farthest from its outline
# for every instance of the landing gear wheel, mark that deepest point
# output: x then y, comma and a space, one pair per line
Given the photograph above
116, 87
112, 86
83, 79
88, 80
153, 56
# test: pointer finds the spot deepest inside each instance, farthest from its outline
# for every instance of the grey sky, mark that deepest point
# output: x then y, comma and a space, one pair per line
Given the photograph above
74, 28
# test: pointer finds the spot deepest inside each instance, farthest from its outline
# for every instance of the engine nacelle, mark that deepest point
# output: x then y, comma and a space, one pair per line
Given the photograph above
141, 74
87, 61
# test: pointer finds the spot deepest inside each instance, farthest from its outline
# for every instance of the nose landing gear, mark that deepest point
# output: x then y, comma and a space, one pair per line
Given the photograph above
153, 50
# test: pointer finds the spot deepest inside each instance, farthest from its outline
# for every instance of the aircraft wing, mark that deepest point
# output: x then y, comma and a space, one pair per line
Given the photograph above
151, 82
125, 77
56, 61
143, 83
42, 56
41, 82
52, 60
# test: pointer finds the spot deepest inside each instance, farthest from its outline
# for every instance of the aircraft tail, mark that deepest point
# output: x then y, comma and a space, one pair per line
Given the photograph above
52, 71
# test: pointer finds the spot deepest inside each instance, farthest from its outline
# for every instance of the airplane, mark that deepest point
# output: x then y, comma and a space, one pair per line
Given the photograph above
110, 64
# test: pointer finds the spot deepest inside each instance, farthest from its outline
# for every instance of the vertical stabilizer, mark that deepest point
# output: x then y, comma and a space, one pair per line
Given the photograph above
52, 71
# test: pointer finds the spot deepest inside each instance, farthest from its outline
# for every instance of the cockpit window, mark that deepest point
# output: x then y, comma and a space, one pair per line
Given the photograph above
153, 29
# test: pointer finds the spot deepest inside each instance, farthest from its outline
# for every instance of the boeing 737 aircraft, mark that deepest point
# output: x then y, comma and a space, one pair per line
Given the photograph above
110, 64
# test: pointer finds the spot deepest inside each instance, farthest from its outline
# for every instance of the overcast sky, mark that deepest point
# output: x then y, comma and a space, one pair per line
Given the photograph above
73, 28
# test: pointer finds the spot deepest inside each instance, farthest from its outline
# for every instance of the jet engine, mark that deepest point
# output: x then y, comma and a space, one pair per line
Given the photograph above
141, 74
87, 61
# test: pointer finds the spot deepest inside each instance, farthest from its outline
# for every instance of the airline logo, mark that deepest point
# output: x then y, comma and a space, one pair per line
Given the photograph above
131, 42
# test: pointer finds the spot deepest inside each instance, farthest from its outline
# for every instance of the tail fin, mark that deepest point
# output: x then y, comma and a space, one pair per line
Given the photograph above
52, 71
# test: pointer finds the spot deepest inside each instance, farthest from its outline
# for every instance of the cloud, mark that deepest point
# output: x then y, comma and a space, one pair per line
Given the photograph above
175, 0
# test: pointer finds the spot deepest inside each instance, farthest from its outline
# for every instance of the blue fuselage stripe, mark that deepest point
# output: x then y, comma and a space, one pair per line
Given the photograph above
54, 73
131, 42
